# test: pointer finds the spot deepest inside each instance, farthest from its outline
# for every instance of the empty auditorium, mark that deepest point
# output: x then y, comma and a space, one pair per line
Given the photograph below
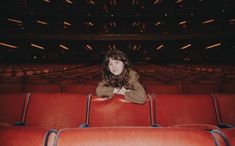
117, 73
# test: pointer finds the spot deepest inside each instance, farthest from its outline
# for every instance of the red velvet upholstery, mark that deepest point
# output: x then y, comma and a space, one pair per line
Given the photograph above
80, 88
48, 88
134, 137
56, 110
118, 112
11, 107
174, 110
163, 88
226, 103
230, 134
25, 136
200, 88
11, 88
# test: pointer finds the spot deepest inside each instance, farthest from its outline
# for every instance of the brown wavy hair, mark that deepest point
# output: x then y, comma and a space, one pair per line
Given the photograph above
119, 80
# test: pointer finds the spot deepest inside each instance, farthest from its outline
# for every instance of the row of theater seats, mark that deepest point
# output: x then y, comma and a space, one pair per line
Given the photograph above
67, 110
112, 136
184, 88
62, 119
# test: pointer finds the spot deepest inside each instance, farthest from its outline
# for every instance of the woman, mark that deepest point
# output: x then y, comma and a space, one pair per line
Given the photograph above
119, 78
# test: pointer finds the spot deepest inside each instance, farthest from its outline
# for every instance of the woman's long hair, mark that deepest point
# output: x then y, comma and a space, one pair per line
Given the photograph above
116, 80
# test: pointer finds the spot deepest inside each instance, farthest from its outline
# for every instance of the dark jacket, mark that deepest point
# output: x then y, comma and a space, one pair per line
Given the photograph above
137, 95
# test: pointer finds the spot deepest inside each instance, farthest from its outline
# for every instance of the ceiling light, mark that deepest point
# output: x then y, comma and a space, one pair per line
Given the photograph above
67, 23
8, 45
64, 47
48, 1
158, 23
68, 1
14, 20
160, 47
213, 46
41, 22
37, 46
156, 1
208, 21
185, 47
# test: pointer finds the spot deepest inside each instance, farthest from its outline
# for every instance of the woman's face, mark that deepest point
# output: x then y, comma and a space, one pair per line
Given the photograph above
115, 66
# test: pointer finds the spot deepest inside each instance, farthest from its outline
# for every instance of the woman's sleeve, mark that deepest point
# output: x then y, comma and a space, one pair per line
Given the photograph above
138, 94
104, 91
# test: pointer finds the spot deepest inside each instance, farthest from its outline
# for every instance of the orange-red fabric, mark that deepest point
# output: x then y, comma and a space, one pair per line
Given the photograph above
11, 107
80, 88
56, 110
118, 112
174, 110
227, 108
23, 136
135, 137
163, 89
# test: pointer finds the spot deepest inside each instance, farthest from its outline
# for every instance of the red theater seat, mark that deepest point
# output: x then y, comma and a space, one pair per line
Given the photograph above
118, 112
80, 88
12, 107
226, 108
25, 136
56, 110
193, 110
200, 88
163, 89
135, 136
48, 88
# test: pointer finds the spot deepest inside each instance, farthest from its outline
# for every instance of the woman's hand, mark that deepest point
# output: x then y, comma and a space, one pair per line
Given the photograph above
121, 91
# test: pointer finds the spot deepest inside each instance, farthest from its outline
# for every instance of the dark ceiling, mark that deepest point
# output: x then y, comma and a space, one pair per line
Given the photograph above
156, 31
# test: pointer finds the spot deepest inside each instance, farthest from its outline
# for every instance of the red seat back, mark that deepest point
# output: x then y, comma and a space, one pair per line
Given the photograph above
135, 136
185, 109
56, 110
12, 107
226, 108
118, 112
26, 136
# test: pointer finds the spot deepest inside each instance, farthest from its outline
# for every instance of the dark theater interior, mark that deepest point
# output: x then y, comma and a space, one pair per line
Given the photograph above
51, 60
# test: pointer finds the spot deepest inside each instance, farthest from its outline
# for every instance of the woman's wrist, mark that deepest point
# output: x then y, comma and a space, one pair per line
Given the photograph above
115, 90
